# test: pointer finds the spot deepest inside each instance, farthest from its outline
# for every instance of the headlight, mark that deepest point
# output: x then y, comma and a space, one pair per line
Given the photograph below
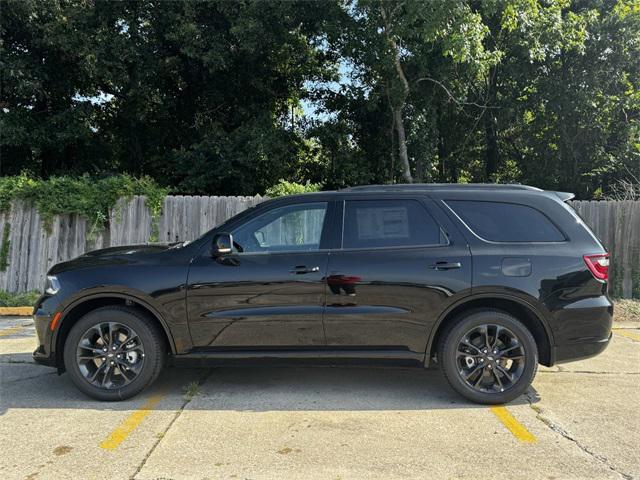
52, 285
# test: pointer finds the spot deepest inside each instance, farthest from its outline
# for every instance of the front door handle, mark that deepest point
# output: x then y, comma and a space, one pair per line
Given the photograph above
302, 269
445, 265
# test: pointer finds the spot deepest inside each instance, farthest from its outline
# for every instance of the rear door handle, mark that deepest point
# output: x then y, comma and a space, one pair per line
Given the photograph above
445, 265
302, 269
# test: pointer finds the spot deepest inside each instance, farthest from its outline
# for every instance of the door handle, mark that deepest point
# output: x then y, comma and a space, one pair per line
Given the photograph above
302, 269
445, 265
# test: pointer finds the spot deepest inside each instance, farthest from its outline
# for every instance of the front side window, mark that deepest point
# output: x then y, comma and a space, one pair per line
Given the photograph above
289, 228
506, 222
388, 223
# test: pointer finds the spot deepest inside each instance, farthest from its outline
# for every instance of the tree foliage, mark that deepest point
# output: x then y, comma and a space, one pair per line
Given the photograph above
284, 187
207, 97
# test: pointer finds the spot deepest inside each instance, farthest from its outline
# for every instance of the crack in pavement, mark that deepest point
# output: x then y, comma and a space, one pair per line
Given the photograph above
553, 426
21, 379
162, 434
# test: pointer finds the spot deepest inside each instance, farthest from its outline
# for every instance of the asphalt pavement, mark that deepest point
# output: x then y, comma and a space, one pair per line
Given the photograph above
579, 420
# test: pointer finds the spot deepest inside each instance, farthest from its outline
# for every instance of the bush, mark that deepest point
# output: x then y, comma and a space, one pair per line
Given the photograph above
18, 299
284, 187
87, 196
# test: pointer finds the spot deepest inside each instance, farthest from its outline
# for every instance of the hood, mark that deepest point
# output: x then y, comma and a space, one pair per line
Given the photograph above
122, 255
143, 249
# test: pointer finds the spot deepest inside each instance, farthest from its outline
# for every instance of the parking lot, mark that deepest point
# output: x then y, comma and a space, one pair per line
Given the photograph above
580, 420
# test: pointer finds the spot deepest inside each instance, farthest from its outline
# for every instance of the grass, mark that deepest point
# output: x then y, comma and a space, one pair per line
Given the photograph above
626, 310
191, 390
18, 299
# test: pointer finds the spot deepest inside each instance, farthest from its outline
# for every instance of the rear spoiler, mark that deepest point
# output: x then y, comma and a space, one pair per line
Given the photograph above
565, 196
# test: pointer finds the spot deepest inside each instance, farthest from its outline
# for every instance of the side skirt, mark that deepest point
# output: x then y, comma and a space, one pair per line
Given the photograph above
297, 357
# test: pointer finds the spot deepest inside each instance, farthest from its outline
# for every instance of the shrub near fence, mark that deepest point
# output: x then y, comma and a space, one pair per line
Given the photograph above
28, 250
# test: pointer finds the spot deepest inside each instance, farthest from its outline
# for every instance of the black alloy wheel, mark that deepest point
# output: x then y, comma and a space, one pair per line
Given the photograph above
491, 358
488, 356
114, 352
110, 355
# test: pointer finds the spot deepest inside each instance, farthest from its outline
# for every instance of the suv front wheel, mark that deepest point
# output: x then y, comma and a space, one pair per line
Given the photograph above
113, 353
489, 357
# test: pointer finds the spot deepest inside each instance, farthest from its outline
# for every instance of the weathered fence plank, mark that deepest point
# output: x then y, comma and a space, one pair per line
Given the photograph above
617, 225
33, 249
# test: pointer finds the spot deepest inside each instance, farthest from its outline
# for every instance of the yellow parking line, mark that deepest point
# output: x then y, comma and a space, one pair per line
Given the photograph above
632, 336
516, 428
123, 430
10, 331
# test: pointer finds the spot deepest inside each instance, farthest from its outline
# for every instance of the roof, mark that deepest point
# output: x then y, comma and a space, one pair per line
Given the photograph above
440, 186
443, 188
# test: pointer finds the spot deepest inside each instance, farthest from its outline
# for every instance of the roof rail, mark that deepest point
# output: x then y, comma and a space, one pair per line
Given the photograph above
442, 186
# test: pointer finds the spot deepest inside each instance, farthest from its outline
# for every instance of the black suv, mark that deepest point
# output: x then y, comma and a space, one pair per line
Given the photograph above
486, 280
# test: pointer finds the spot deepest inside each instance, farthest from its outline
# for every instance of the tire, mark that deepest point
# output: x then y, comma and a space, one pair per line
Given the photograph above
485, 377
134, 353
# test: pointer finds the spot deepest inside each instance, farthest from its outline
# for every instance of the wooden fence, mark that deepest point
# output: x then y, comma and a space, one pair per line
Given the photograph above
617, 225
29, 248
34, 247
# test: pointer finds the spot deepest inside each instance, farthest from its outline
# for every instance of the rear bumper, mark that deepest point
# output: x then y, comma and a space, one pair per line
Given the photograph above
581, 329
579, 351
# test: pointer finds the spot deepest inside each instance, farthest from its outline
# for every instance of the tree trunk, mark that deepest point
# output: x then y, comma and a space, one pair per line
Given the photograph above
397, 105
392, 132
492, 152
448, 172
491, 130
402, 145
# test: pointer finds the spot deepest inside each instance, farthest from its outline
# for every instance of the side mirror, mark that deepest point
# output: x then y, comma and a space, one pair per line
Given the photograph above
222, 244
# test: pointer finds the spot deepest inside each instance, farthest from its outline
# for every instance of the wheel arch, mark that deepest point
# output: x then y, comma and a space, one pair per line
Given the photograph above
532, 318
74, 311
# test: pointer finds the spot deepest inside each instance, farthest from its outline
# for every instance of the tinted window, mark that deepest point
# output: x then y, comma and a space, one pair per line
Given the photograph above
388, 223
294, 227
506, 222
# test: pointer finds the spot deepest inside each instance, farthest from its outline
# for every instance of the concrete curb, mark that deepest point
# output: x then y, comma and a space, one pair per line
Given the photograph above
16, 311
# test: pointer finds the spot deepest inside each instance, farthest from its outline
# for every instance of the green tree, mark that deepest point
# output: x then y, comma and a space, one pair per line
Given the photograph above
206, 97
398, 45
198, 95
47, 75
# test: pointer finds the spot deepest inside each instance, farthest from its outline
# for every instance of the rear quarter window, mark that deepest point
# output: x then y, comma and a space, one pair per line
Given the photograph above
506, 222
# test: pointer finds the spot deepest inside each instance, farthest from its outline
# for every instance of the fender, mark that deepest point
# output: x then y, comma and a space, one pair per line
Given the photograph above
522, 299
125, 296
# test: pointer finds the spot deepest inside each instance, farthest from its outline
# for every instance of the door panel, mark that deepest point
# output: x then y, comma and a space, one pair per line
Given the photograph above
270, 291
254, 300
387, 287
391, 298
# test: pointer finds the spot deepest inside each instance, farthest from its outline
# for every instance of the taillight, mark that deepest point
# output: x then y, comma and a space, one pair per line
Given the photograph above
599, 265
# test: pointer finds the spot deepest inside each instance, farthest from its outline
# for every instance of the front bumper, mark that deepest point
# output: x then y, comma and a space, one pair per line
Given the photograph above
41, 357
44, 354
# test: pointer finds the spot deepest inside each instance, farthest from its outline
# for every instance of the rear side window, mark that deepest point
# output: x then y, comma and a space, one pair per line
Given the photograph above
506, 222
388, 223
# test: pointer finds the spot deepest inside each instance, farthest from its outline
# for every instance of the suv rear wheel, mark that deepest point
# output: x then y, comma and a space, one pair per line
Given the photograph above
113, 353
489, 357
